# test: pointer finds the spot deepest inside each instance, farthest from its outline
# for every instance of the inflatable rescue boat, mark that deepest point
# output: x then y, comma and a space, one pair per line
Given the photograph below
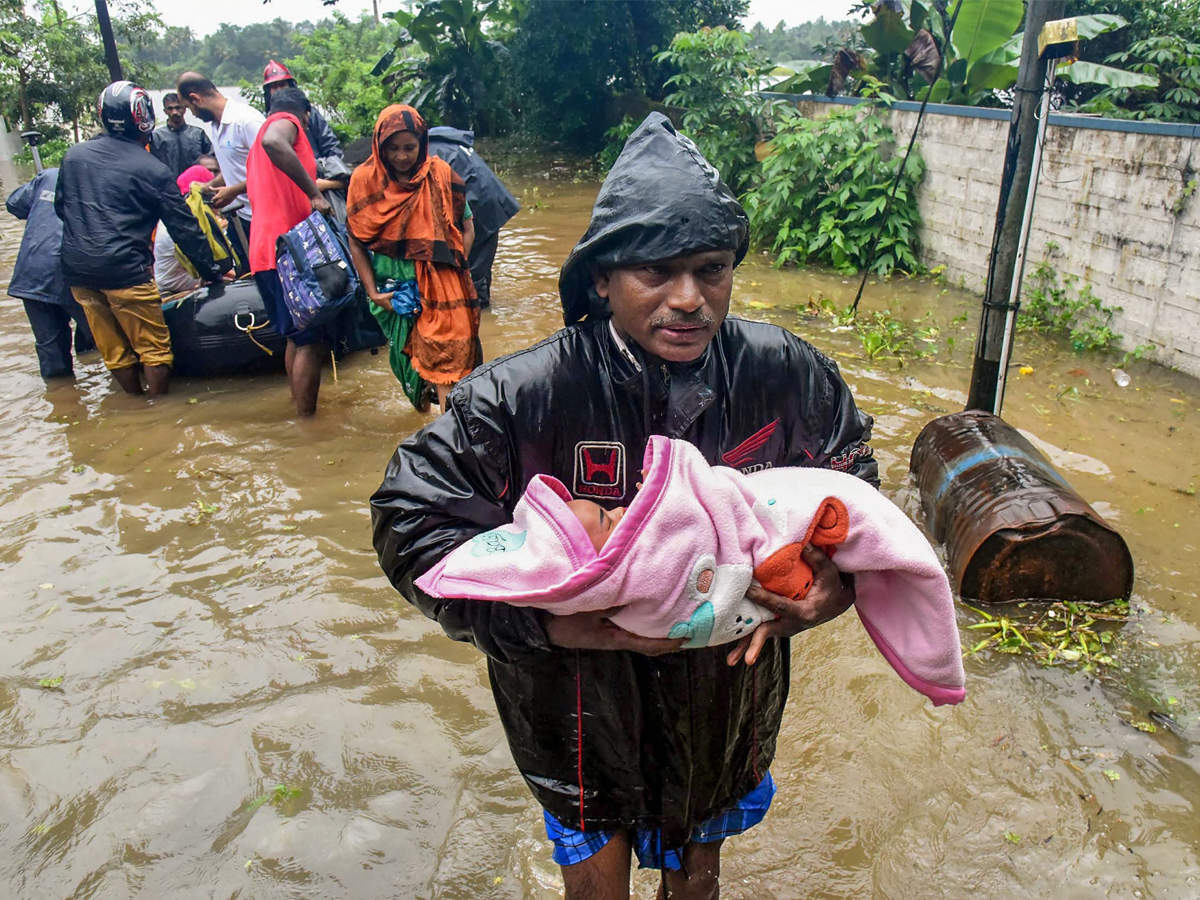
225, 330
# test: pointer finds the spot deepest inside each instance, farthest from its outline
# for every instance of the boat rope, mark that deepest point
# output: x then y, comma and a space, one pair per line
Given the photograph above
249, 330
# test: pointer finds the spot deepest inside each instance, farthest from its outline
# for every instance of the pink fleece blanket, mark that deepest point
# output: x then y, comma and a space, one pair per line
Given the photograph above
679, 562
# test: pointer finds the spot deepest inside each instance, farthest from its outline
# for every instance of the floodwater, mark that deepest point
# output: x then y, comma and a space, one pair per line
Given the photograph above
247, 709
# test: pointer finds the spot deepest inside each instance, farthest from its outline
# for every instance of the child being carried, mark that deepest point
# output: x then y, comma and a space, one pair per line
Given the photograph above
679, 559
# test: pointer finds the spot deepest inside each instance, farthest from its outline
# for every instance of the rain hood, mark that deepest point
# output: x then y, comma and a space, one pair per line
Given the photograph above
661, 199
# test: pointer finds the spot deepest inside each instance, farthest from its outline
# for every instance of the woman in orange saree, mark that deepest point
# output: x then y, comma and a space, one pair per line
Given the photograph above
409, 221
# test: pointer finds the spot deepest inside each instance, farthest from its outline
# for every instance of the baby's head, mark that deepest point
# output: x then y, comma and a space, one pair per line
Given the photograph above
597, 521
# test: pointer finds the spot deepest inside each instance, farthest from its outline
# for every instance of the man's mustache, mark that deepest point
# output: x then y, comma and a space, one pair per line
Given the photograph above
698, 319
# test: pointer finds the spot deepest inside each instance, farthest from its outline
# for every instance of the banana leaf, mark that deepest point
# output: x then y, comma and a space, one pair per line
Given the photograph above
1083, 72
1100, 23
984, 25
887, 33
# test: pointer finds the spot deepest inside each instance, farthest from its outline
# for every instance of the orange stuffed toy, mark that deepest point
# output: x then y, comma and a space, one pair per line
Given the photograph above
785, 572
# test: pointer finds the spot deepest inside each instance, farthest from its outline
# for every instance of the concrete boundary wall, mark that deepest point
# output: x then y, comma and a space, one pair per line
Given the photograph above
1113, 195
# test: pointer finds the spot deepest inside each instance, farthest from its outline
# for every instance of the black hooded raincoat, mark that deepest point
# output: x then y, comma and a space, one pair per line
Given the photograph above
611, 739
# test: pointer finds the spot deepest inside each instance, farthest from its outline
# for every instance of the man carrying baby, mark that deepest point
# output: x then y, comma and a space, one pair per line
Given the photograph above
630, 744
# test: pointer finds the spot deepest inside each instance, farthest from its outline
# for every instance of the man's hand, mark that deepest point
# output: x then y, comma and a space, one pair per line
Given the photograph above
321, 205
594, 631
224, 196
827, 599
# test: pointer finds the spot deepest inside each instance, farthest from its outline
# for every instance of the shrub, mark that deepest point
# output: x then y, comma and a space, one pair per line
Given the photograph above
715, 88
824, 190
51, 152
1057, 307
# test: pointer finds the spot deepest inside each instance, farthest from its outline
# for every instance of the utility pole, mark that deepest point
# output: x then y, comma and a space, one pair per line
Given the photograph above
999, 299
110, 43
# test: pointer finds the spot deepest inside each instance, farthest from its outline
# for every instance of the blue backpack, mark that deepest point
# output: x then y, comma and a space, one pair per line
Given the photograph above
315, 269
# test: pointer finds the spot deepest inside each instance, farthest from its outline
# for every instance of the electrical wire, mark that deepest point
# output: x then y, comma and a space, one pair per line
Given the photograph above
911, 143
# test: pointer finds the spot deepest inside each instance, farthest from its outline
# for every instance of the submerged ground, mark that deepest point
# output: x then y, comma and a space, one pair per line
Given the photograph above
208, 689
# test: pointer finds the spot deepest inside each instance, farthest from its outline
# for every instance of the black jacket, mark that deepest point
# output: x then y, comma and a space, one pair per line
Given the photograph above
179, 149
321, 137
110, 195
670, 740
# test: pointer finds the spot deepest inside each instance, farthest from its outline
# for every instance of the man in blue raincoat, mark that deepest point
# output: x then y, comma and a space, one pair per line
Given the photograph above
38, 279
491, 203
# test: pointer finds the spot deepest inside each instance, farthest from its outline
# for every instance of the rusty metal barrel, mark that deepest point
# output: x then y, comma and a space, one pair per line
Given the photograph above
1012, 527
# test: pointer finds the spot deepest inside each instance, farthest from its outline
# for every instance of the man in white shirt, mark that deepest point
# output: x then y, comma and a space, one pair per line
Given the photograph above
233, 126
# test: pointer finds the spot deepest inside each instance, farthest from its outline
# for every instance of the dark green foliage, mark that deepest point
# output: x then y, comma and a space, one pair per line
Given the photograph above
721, 114
457, 77
808, 40
824, 189
174, 46
334, 65
917, 48
231, 54
52, 64
571, 60
1163, 41
1055, 305
614, 141
51, 152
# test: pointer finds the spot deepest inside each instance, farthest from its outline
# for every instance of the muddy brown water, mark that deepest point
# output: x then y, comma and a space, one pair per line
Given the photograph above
246, 708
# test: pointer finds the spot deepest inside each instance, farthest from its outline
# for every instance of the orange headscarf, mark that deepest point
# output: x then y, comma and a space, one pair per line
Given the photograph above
418, 217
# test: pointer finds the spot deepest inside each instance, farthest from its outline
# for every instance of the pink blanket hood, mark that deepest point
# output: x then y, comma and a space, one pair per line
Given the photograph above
679, 562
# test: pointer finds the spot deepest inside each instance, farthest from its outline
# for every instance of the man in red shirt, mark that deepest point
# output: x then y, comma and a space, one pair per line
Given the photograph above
281, 181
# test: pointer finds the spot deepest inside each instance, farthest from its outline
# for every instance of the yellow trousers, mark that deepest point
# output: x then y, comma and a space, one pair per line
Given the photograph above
127, 324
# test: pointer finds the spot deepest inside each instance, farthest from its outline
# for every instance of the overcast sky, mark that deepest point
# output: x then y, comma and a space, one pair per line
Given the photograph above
204, 17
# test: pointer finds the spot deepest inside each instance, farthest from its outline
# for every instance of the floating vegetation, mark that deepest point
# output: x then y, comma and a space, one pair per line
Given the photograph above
881, 334
1052, 633
281, 796
201, 510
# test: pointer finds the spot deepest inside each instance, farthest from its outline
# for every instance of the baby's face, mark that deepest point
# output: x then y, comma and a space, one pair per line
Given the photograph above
597, 521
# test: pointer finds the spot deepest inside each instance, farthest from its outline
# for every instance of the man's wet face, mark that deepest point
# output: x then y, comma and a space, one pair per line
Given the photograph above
175, 111
671, 308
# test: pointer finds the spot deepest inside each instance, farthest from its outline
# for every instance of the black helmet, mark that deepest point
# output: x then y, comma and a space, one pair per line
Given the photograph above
126, 110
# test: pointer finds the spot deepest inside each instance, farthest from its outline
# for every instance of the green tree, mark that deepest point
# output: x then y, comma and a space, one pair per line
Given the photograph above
714, 87
912, 42
230, 55
334, 68
808, 40
457, 75
1162, 42
824, 189
52, 65
169, 54
579, 67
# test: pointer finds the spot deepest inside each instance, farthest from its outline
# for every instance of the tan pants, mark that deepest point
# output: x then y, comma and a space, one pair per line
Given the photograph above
127, 324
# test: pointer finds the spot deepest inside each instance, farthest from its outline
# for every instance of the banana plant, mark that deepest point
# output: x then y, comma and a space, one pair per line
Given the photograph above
456, 64
980, 51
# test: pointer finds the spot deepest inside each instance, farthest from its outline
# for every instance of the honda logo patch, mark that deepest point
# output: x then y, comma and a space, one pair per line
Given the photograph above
599, 469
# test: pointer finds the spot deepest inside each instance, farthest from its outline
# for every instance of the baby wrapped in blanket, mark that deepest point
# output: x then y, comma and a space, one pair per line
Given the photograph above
679, 559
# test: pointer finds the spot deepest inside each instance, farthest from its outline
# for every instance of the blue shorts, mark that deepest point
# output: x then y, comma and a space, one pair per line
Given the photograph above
571, 846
